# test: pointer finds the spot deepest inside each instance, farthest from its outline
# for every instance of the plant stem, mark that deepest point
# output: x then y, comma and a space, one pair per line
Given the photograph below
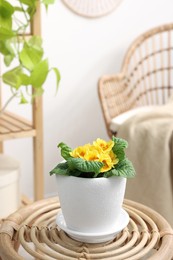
24, 12
7, 102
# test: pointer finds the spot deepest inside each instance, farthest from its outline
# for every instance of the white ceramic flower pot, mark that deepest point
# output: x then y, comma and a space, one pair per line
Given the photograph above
91, 204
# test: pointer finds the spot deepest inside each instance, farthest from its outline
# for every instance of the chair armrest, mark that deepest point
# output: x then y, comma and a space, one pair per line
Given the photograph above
114, 96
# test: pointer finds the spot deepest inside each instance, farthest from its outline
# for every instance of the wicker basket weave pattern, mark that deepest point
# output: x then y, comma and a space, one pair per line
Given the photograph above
147, 236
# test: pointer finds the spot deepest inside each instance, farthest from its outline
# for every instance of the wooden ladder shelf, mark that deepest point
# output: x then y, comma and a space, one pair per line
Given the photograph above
12, 126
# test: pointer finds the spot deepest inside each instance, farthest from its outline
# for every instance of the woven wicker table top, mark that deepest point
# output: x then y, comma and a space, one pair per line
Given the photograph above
147, 236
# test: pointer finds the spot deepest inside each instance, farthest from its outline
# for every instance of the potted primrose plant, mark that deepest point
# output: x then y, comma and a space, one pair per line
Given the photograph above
91, 186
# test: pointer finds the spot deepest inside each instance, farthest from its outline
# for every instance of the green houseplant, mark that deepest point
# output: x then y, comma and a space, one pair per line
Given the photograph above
23, 56
91, 186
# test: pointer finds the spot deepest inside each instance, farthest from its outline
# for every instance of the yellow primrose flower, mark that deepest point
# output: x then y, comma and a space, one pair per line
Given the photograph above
92, 155
80, 151
100, 151
114, 158
99, 159
103, 145
108, 164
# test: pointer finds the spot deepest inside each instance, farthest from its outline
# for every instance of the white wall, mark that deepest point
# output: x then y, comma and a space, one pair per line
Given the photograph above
83, 49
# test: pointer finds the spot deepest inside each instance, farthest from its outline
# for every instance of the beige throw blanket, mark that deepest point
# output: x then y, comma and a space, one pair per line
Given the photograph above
150, 138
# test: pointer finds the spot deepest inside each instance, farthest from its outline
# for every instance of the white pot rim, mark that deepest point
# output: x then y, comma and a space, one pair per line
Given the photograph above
96, 178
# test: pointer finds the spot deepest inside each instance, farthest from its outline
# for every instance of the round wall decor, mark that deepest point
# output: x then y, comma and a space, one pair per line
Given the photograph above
92, 8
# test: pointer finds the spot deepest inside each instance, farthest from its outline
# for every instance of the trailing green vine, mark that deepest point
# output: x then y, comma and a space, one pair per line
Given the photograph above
23, 56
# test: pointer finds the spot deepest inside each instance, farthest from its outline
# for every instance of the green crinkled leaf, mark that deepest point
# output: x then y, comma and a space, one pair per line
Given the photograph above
125, 169
65, 150
39, 74
85, 166
120, 143
61, 168
119, 146
75, 173
112, 172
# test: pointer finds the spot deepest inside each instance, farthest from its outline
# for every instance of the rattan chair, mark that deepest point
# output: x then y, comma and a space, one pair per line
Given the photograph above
146, 77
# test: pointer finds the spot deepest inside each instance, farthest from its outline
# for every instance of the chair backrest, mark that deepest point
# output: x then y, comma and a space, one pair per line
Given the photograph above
148, 67
146, 77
